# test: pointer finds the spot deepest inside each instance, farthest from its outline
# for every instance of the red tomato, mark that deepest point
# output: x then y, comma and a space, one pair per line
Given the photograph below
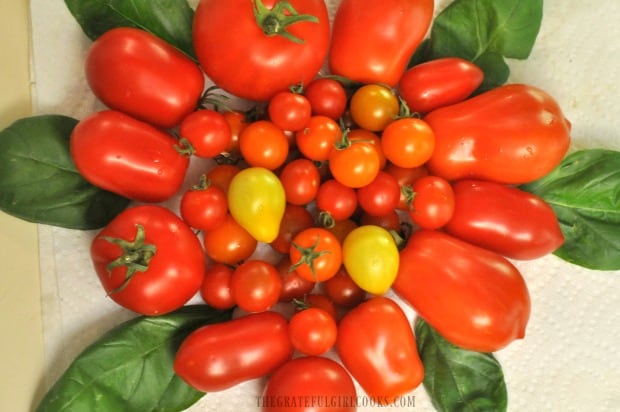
313, 331
135, 72
148, 260
390, 221
342, 228
253, 49
215, 289
203, 206
289, 111
295, 219
263, 144
408, 142
342, 290
221, 175
128, 157
405, 176
317, 140
511, 134
377, 346
317, 300
381, 196
335, 202
255, 285
473, 297
228, 242
327, 97
207, 131
316, 254
504, 219
438, 83
300, 179
216, 357
293, 285
355, 164
309, 383
237, 122
433, 202
382, 53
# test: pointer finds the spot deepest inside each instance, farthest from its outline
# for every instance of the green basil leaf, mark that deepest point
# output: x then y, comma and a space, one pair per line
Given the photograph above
39, 182
484, 32
170, 20
457, 379
584, 192
130, 368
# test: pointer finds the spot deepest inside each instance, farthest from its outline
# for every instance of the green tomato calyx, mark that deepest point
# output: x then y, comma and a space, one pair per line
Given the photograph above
277, 20
308, 256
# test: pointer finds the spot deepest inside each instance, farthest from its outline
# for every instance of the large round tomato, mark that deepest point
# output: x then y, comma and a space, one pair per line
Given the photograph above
473, 297
512, 134
218, 356
131, 158
148, 260
254, 49
367, 52
141, 75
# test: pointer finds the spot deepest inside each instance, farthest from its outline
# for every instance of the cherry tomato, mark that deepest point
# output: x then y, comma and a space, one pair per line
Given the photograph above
373, 107
203, 206
215, 289
317, 140
343, 291
263, 144
473, 297
221, 175
335, 202
408, 142
354, 164
255, 285
433, 202
207, 131
390, 221
317, 300
316, 254
377, 346
236, 122
148, 260
215, 357
381, 196
313, 331
341, 228
300, 179
137, 73
293, 285
228, 242
295, 219
367, 136
405, 176
327, 97
289, 111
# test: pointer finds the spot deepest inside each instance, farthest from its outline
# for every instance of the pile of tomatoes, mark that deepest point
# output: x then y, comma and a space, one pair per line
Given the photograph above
378, 177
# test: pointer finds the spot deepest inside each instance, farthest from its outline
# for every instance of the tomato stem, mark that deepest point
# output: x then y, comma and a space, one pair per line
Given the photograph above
276, 21
203, 184
184, 147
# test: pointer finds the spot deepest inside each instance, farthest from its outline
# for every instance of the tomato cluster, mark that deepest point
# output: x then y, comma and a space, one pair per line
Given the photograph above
323, 198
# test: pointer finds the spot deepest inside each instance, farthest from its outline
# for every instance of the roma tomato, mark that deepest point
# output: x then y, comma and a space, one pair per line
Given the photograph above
256, 199
255, 49
377, 346
380, 55
215, 288
433, 202
203, 206
327, 97
148, 260
263, 144
512, 134
371, 258
300, 179
473, 297
408, 142
207, 132
313, 331
135, 72
315, 254
229, 242
504, 219
215, 357
373, 107
314, 381
255, 285
128, 157
438, 83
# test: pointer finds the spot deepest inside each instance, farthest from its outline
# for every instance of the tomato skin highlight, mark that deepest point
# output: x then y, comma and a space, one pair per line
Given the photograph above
512, 134
174, 272
474, 298
377, 346
215, 357
136, 72
131, 158
504, 219
382, 53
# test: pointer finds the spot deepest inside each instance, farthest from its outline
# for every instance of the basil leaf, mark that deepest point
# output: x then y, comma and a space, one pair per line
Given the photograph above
39, 182
484, 32
130, 368
170, 20
584, 192
457, 379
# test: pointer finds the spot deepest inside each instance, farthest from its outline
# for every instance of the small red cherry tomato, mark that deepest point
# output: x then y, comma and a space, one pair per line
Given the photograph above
313, 331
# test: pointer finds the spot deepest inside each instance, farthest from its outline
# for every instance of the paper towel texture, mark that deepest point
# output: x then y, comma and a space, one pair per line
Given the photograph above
569, 359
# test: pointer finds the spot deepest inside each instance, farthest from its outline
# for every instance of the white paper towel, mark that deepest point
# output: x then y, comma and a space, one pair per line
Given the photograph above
568, 361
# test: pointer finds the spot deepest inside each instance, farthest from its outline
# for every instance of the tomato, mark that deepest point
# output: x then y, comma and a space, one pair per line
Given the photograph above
257, 201
255, 285
341, 228
354, 163
408, 142
317, 140
381, 196
295, 219
315, 254
309, 383
255, 49
289, 111
216, 357
364, 135
438, 83
511, 134
215, 288
236, 122
128, 157
377, 346
382, 53
342, 290
207, 131
300, 179
433, 202
313, 331
371, 258
137, 73
335, 202
473, 297
506, 220
327, 97
390, 221
317, 300
148, 260
293, 285
229, 242
263, 144
405, 176
221, 175
203, 206
373, 107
